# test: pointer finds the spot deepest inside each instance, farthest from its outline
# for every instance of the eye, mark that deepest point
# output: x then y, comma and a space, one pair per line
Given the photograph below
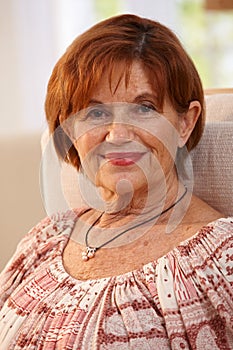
96, 113
145, 109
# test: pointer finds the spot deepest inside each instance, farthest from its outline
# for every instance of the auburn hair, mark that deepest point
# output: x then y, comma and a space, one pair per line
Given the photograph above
121, 39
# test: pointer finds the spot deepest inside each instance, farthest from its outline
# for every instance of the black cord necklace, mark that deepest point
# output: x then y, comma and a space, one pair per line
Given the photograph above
90, 251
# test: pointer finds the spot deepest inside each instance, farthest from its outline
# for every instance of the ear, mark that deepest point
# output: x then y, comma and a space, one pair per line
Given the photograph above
187, 122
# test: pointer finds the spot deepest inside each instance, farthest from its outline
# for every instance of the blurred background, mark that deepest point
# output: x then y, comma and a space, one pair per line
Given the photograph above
34, 34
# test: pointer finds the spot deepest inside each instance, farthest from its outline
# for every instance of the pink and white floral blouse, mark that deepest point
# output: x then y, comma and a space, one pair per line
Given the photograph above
184, 300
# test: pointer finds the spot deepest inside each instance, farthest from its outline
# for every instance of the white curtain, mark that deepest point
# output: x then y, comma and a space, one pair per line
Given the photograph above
33, 35
158, 10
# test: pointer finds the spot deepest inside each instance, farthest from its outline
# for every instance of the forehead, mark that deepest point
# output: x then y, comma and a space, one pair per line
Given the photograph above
122, 83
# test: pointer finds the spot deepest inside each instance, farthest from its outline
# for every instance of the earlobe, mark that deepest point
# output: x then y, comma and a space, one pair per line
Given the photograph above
187, 122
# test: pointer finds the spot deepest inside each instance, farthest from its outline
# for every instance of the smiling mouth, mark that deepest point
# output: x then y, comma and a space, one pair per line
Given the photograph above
123, 158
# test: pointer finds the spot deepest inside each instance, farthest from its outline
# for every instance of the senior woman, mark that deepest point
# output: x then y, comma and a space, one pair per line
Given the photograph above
149, 265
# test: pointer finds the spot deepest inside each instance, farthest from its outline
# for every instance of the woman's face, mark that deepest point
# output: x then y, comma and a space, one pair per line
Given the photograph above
121, 136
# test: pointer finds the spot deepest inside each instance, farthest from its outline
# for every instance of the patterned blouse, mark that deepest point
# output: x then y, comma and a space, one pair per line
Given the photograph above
183, 300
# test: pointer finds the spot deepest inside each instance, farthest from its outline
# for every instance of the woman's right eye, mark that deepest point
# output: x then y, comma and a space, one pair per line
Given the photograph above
96, 113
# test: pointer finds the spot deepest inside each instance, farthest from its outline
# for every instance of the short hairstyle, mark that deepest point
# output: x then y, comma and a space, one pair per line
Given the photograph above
123, 38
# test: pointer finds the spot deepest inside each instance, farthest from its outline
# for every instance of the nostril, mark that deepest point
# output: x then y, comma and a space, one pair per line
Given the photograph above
117, 140
119, 133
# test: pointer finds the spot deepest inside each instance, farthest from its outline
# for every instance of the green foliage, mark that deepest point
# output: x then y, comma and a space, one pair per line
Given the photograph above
107, 8
208, 37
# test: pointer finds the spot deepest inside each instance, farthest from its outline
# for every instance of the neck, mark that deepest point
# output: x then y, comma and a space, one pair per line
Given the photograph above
144, 203
127, 234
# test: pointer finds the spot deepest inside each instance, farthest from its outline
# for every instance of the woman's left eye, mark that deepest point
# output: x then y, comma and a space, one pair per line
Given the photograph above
145, 109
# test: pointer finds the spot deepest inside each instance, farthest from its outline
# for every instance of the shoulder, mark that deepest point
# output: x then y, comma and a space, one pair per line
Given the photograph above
223, 226
215, 235
211, 246
47, 230
212, 243
57, 224
223, 253
223, 233
216, 252
40, 240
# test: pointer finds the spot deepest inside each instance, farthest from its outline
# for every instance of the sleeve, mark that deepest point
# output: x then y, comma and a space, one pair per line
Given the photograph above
23, 258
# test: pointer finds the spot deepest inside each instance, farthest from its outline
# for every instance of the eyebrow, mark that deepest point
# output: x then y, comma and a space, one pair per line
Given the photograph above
146, 96
95, 102
137, 99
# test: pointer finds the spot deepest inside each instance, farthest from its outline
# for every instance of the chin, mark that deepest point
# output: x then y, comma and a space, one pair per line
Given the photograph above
122, 182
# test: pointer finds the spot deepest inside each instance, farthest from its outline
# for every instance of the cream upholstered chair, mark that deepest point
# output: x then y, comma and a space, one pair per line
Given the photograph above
212, 163
213, 157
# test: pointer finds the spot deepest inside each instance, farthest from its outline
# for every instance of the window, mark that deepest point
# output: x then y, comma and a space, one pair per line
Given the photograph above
207, 33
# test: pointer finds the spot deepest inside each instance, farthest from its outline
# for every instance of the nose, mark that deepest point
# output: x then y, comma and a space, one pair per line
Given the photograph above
119, 133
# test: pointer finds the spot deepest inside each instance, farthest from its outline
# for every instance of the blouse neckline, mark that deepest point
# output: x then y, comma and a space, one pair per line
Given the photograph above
59, 265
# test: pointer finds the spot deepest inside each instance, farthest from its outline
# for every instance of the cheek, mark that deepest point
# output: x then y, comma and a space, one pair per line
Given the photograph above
160, 131
87, 143
164, 141
163, 150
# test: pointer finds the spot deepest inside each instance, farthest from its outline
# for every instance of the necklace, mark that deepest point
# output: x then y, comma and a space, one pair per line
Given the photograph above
90, 251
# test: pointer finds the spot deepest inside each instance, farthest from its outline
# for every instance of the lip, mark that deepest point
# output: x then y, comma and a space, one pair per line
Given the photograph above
123, 158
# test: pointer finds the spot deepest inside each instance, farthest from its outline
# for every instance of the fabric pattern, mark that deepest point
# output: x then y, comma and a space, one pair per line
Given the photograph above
184, 300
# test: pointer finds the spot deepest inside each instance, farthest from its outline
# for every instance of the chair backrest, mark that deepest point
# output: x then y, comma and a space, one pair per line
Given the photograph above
213, 157
212, 163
